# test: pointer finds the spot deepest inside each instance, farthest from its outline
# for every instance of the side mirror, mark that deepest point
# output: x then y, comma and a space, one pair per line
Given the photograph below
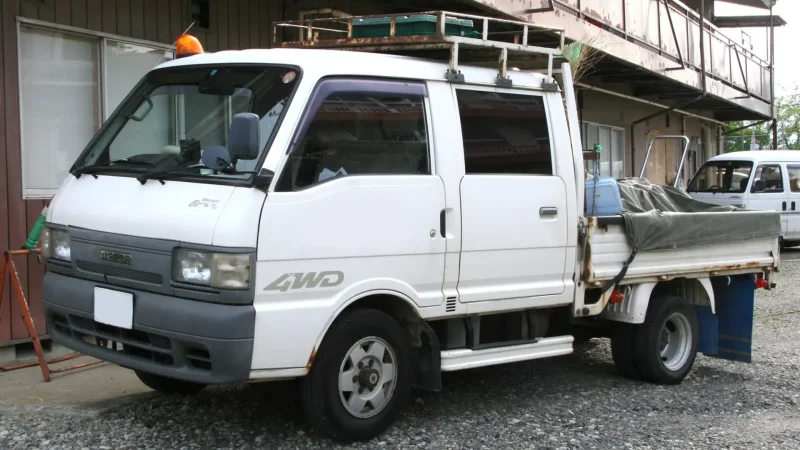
759, 186
216, 157
243, 137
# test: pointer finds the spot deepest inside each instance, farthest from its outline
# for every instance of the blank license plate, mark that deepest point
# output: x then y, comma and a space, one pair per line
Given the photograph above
113, 308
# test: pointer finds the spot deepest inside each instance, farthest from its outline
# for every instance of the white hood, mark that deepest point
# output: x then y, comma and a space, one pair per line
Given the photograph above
176, 210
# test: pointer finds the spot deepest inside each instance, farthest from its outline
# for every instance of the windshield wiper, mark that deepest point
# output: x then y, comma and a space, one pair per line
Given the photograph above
168, 171
94, 168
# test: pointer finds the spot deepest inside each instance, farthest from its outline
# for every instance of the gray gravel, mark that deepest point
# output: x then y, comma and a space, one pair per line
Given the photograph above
569, 402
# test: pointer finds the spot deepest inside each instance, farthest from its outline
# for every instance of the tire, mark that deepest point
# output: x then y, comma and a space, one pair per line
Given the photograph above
324, 403
168, 385
622, 350
666, 343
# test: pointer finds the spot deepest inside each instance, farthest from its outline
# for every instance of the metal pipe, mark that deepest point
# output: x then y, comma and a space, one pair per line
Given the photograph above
647, 102
745, 127
648, 117
683, 105
772, 76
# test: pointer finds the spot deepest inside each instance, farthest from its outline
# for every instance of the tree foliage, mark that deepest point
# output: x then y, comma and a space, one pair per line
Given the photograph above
788, 108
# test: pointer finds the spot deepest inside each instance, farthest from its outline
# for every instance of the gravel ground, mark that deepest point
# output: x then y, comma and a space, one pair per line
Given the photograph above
570, 402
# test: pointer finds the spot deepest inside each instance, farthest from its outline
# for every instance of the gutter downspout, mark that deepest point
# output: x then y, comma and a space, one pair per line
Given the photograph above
683, 105
772, 76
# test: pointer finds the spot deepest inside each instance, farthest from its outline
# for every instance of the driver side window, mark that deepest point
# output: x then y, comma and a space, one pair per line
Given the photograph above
360, 134
768, 179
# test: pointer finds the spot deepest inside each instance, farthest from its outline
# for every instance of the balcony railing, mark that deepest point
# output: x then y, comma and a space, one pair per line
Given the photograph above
672, 30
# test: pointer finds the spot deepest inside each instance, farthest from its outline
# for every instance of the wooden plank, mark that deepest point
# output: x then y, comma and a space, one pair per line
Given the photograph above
94, 15
179, 18
150, 20
233, 24
244, 24
137, 19
47, 10
223, 43
124, 17
256, 27
35, 272
79, 13
29, 10
16, 206
109, 17
63, 12
265, 21
211, 37
162, 19
5, 304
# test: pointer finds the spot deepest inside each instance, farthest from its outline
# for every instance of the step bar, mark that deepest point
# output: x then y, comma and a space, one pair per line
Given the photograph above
462, 359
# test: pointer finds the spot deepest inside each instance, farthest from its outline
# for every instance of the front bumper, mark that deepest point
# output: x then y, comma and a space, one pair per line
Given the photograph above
183, 339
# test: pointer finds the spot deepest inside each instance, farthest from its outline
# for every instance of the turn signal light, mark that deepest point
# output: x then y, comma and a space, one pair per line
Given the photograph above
616, 297
187, 45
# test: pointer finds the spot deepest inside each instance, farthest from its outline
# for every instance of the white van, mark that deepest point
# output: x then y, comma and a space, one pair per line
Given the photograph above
763, 180
363, 222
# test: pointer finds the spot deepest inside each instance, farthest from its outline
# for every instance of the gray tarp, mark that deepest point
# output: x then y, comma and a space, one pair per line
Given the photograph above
662, 217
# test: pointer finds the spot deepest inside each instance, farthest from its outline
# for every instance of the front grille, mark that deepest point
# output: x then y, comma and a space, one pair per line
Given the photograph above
138, 344
119, 272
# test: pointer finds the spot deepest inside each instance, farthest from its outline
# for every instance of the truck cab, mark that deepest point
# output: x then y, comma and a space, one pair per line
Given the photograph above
362, 221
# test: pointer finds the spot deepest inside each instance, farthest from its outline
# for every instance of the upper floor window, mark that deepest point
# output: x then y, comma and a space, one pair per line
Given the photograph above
504, 133
360, 134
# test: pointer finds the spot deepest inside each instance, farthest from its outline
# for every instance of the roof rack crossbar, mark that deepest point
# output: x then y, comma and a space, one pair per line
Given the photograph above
518, 43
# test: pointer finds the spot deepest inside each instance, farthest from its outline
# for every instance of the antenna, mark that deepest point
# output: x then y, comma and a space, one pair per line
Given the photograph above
172, 47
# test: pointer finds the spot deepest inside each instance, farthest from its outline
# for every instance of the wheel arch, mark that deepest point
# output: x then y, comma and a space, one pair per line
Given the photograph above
422, 338
633, 308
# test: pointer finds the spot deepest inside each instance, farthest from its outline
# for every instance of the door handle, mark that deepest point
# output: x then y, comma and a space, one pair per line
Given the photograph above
548, 211
784, 206
792, 206
442, 223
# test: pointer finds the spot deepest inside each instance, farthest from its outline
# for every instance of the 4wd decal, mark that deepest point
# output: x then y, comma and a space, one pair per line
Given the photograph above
308, 280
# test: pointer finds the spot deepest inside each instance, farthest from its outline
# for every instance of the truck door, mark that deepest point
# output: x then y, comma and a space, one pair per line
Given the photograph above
513, 208
793, 202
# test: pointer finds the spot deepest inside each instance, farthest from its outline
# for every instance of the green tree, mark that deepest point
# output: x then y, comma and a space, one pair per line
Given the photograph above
788, 108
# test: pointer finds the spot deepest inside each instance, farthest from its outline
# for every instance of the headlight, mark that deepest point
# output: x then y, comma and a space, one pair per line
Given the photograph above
218, 270
55, 244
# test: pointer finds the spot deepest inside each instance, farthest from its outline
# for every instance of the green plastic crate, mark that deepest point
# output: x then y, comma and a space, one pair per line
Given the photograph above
414, 25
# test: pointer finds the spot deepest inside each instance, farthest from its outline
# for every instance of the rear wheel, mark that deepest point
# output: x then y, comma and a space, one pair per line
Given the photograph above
666, 343
167, 385
361, 377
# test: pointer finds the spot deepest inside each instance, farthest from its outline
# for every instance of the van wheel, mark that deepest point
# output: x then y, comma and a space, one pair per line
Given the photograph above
666, 343
622, 350
360, 378
167, 385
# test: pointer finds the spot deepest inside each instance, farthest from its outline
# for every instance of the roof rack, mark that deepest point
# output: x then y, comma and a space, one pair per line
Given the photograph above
437, 35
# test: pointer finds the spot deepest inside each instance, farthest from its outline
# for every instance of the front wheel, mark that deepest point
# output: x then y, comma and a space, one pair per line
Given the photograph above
665, 345
361, 377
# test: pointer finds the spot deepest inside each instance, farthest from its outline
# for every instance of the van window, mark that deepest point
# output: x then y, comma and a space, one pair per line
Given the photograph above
722, 177
768, 179
358, 134
504, 133
794, 178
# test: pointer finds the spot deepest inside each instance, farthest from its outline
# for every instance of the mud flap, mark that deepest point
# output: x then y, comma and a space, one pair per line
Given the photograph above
729, 333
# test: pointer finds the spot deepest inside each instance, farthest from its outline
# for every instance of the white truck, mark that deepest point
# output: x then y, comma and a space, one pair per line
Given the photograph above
362, 222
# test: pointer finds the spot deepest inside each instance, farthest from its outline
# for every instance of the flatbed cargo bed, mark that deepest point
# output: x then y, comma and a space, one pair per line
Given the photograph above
607, 249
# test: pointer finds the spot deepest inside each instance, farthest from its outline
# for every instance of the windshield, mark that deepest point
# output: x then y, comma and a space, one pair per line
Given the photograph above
722, 177
175, 111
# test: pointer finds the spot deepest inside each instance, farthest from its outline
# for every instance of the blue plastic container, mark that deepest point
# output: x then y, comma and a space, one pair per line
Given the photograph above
602, 197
